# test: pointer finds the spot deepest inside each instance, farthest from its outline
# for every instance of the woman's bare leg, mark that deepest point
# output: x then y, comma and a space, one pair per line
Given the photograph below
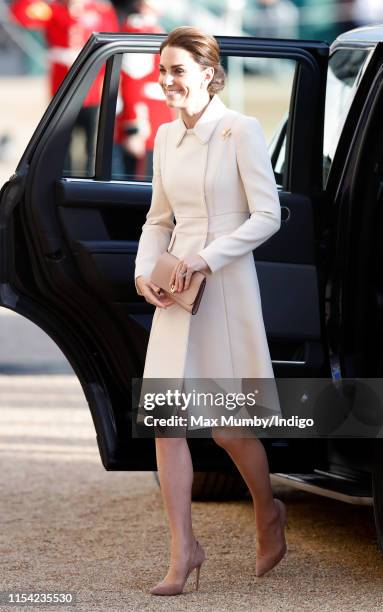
175, 471
250, 458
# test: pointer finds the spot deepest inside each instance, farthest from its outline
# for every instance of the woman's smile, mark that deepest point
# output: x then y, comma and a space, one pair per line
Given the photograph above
173, 92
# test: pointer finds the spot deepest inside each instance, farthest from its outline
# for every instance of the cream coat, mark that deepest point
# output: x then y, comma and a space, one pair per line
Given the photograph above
217, 181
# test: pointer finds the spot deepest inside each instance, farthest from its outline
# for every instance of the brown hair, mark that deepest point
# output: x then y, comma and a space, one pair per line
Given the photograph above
205, 51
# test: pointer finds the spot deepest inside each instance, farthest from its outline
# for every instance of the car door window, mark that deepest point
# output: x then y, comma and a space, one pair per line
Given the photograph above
255, 86
81, 151
141, 109
345, 70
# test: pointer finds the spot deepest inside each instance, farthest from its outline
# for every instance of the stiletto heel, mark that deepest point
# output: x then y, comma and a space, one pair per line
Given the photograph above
175, 588
265, 563
197, 576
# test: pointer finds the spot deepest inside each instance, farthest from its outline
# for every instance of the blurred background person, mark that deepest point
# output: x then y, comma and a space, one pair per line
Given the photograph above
318, 19
272, 19
144, 107
276, 19
67, 26
344, 15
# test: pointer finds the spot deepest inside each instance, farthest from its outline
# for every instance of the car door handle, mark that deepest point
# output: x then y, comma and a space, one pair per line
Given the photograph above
285, 213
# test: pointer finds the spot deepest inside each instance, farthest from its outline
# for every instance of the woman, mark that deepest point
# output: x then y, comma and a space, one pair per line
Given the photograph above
210, 168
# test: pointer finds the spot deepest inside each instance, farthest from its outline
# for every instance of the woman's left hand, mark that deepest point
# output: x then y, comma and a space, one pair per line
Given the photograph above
183, 271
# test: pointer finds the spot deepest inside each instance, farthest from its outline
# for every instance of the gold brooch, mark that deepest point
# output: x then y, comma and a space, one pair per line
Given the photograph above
225, 132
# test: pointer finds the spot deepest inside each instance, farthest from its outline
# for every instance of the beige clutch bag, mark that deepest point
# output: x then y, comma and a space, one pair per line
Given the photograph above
190, 298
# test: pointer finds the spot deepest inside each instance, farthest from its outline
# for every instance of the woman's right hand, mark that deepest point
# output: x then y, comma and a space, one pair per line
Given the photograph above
152, 293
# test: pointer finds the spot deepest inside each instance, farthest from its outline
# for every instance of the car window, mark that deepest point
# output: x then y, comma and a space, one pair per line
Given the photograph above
141, 109
345, 70
259, 87
81, 152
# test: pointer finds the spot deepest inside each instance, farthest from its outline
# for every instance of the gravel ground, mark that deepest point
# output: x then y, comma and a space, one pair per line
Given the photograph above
68, 525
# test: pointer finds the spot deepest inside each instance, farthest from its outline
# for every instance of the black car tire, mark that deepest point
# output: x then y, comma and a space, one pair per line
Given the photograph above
217, 486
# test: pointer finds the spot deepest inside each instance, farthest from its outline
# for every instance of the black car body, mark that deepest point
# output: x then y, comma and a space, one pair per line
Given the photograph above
68, 245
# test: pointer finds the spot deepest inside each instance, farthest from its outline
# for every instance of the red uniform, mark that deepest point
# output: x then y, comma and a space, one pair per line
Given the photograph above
144, 105
67, 28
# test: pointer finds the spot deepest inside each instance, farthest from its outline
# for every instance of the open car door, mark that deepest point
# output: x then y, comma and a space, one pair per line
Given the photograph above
70, 230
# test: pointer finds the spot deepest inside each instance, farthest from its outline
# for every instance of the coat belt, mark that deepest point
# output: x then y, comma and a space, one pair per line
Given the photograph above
215, 224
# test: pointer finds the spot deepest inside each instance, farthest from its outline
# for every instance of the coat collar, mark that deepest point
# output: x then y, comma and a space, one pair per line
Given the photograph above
205, 125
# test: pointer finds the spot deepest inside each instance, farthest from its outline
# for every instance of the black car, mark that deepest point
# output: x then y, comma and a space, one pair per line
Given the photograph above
69, 232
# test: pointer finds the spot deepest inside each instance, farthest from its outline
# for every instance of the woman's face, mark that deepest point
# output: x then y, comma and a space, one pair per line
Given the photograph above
183, 80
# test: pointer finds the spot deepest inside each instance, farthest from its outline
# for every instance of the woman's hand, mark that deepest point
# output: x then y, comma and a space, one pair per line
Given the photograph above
183, 271
152, 293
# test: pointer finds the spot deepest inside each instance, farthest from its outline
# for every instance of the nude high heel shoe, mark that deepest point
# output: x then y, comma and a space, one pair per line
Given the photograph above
265, 563
176, 588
